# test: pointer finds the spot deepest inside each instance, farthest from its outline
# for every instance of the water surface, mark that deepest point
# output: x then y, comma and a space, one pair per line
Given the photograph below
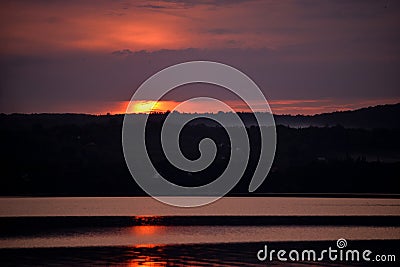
141, 231
240, 206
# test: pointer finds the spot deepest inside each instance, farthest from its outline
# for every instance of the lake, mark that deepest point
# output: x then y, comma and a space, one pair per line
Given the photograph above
135, 231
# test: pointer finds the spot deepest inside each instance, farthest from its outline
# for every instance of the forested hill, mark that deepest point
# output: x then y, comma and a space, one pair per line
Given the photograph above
384, 116
72, 154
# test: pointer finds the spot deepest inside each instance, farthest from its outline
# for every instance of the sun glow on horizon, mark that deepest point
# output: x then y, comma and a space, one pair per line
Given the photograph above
147, 106
278, 107
143, 107
151, 106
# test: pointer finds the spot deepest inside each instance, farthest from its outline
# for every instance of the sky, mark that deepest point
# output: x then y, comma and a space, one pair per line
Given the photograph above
306, 56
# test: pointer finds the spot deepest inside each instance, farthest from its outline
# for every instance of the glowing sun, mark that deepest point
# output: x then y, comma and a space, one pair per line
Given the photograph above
144, 106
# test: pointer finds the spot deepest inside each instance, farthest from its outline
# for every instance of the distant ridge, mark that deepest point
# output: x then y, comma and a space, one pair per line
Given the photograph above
82, 155
382, 116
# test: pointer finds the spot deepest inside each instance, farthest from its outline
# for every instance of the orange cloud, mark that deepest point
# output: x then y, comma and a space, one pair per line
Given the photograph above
37, 27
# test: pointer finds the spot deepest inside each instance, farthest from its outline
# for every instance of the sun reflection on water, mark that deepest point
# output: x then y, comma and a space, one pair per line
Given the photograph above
144, 261
146, 229
147, 254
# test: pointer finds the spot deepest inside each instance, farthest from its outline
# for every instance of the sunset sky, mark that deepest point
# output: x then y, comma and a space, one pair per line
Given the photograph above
306, 56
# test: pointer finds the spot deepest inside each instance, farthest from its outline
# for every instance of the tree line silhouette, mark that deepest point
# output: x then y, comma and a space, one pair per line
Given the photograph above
76, 154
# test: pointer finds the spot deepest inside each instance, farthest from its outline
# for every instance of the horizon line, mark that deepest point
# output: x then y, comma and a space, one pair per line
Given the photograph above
192, 113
